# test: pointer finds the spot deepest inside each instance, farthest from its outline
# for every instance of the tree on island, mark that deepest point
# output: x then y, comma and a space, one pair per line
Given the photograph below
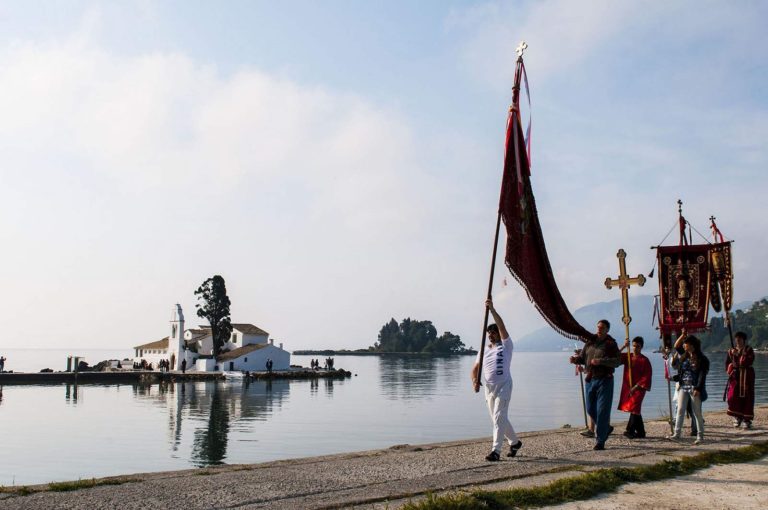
418, 337
214, 307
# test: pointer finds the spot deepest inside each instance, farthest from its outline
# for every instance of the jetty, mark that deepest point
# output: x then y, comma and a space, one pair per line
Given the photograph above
156, 376
390, 478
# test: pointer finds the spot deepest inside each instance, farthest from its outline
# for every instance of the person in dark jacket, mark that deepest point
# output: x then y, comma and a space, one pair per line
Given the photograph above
600, 356
692, 368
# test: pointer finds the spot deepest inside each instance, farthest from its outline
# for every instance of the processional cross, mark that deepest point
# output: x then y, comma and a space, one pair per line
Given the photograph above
623, 282
521, 48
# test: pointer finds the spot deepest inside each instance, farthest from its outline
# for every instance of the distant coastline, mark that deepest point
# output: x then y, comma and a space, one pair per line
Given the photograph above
366, 352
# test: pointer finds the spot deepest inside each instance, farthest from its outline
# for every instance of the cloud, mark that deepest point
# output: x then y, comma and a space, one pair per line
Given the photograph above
125, 169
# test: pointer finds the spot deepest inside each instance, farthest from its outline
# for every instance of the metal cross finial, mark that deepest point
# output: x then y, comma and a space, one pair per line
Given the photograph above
679, 206
521, 48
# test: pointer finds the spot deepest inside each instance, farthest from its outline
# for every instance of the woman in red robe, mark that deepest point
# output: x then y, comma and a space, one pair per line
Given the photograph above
741, 381
631, 398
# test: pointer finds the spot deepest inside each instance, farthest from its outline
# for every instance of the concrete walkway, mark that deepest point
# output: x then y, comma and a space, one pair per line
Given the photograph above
387, 478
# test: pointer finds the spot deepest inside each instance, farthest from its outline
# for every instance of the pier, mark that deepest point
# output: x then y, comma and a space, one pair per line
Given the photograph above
154, 376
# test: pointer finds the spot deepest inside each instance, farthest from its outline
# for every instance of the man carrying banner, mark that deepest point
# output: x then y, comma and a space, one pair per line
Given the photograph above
600, 355
498, 385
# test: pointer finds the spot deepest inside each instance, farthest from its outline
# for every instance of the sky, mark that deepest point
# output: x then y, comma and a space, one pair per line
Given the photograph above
339, 162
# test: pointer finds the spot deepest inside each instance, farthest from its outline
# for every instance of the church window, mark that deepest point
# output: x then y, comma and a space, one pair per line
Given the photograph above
234, 338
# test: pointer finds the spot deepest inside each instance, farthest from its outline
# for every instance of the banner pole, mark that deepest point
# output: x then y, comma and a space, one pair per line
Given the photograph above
512, 131
583, 397
489, 296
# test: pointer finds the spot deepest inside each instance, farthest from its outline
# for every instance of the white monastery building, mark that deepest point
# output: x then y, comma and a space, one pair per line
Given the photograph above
248, 348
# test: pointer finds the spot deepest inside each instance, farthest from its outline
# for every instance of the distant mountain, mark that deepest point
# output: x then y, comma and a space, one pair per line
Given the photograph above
640, 308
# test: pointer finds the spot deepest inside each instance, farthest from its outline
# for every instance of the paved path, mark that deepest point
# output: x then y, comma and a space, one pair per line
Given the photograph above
742, 486
386, 478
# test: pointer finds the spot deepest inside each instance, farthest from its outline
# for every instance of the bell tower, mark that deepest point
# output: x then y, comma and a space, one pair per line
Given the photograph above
176, 351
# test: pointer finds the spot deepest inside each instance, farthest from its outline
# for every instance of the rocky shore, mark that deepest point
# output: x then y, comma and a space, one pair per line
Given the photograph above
390, 478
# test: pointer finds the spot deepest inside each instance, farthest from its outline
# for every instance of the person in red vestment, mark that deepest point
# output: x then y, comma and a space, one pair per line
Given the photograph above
741, 381
631, 398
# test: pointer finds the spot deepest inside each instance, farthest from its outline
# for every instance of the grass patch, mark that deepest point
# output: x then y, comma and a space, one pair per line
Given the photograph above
85, 484
587, 485
21, 491
66, 486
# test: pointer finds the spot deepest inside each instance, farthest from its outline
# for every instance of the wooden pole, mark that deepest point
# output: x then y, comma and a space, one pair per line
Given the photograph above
489, 296
583, 397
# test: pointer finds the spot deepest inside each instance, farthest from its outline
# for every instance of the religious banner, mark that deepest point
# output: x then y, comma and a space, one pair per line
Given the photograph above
684, 280
526, 256
722, 272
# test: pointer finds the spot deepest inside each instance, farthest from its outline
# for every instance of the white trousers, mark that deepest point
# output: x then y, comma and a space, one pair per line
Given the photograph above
497, 397
682, 403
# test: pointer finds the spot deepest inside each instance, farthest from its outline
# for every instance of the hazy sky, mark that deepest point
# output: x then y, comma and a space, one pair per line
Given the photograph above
339, 162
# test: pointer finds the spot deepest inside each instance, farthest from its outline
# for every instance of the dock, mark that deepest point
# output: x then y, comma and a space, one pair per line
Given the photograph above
155, 376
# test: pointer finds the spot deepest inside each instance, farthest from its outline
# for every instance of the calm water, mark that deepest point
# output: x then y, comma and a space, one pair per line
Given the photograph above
65, 432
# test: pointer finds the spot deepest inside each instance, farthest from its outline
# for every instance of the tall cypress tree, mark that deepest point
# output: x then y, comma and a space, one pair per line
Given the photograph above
214, 306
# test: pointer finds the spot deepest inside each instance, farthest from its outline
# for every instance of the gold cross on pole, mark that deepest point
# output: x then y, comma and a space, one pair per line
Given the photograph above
623, 282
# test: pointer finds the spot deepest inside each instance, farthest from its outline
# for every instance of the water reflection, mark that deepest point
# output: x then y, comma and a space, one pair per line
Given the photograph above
417, 377
70, 393
210, 444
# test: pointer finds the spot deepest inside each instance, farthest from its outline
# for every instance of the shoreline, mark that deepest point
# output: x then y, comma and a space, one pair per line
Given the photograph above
386, 478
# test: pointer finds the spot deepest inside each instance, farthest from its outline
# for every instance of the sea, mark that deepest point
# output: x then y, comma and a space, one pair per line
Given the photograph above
71, 432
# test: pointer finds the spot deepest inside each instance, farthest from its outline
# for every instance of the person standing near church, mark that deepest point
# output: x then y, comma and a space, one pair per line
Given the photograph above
631, 398
741, 381
498, 385
600, 355
2, 363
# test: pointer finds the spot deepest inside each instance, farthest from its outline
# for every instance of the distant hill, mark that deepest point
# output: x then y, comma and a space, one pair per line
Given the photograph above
640, 307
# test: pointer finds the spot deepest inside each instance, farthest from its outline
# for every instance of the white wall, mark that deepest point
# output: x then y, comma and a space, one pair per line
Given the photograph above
152, 357
256, 360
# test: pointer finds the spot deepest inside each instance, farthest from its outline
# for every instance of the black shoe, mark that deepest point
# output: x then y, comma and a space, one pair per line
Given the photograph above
629, 435
514, 447
639, 436
694, 432
610, 429
587, 433
493, 456
599, 446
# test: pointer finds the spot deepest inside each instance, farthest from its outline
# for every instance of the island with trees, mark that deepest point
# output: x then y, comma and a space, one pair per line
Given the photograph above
408, 337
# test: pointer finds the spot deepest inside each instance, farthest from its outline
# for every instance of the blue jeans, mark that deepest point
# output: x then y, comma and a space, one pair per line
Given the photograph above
599, 395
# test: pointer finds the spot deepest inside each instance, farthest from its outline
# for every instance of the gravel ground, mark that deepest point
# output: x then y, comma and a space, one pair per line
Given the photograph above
386, 478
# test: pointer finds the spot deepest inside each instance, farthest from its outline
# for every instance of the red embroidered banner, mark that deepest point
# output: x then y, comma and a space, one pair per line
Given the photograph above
683, 287
722, 272
526, 255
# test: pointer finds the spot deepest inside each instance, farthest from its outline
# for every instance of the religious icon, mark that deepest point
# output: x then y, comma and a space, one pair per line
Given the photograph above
717, 261
682, 289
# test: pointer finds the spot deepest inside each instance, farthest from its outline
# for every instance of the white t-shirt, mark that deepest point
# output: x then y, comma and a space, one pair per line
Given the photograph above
496, 361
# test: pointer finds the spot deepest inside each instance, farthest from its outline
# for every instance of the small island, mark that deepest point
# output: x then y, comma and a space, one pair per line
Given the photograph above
408, 337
